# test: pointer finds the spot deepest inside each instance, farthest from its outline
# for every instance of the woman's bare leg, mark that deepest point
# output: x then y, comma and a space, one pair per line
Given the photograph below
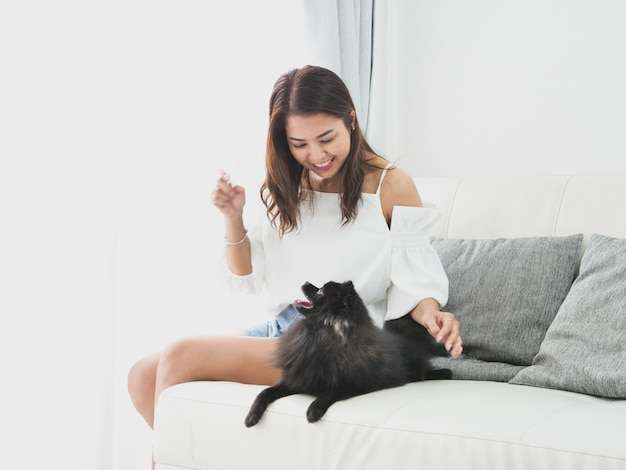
230, 358
141, 384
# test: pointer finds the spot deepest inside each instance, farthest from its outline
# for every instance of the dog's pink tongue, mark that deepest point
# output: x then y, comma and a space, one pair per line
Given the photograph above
303, 303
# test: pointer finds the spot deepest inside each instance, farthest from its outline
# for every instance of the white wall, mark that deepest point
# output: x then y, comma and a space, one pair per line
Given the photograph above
501, 86
59, 102
114, 119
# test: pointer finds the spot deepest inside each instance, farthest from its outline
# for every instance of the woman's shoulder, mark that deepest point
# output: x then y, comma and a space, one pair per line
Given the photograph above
398, 189
400, 186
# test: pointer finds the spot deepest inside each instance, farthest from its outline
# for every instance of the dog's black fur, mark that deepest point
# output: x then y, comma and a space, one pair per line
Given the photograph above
336, 352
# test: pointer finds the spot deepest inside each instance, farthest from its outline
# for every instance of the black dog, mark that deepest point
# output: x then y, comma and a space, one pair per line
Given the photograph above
336, 352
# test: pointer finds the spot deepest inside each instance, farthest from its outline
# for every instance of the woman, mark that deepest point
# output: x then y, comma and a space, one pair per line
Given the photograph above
330, 200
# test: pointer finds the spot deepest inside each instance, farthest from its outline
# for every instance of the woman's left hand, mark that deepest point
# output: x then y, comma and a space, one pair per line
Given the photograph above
443, 326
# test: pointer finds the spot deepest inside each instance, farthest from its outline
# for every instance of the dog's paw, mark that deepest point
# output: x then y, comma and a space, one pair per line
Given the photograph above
315, 413
254, 416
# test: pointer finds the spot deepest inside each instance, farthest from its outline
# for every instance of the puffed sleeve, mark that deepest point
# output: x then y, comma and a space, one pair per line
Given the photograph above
252, 283
416, 270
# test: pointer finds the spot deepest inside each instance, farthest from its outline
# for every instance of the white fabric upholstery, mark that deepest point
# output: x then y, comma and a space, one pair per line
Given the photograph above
435, 425
493, 207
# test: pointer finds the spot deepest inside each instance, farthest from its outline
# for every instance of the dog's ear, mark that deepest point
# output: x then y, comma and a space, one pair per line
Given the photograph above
349, 293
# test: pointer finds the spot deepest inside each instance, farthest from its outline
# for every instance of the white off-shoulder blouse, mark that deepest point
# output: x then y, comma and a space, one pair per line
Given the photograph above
392, 269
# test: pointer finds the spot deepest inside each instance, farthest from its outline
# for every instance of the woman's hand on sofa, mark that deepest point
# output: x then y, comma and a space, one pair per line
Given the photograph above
443, 326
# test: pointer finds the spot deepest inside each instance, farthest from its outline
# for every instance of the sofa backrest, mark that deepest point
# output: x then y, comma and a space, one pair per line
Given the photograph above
527, 206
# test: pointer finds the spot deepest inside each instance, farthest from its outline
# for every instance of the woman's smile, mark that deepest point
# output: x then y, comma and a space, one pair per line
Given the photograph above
324, 166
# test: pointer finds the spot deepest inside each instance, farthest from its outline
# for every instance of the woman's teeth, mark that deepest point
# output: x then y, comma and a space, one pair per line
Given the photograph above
322, 165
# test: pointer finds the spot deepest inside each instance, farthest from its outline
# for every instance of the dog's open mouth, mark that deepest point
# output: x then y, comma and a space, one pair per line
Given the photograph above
307, 304
309, 291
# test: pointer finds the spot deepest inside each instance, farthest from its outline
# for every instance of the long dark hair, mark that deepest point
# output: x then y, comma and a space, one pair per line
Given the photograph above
307, 91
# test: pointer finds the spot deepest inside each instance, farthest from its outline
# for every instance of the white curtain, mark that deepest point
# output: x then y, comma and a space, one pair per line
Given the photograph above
384, 99
340, 33
114, 120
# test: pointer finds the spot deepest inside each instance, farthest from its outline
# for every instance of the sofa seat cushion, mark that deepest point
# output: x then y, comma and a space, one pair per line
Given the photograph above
200, 425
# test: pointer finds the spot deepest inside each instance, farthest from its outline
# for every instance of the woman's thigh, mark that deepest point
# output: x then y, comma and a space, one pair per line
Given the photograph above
228, 358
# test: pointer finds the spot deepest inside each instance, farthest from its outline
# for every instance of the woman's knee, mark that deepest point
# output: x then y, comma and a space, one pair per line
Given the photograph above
176, 363
141, 381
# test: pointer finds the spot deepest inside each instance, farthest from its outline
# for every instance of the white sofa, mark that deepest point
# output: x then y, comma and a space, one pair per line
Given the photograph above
460, 424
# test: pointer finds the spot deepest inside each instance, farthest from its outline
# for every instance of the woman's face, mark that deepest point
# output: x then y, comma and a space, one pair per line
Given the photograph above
320, 143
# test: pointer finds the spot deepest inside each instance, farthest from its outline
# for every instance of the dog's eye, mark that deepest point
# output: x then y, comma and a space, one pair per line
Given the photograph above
320, 291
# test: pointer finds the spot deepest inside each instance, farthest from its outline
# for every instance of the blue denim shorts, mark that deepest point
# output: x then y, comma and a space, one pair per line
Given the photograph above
277, 326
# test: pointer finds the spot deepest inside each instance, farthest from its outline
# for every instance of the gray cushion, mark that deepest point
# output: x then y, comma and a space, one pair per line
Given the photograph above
466, 368
585, 347
505, 293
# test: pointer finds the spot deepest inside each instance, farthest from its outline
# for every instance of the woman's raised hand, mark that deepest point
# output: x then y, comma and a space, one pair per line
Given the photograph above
228, 199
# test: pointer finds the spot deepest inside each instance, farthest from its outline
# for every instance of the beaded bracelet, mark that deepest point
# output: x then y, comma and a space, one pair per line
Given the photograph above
245, 233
